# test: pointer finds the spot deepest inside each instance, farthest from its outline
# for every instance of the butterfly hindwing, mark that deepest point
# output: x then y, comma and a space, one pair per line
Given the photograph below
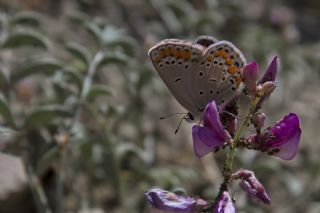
219, 70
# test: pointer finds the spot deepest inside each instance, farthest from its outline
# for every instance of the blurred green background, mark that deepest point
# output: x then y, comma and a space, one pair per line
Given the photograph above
80, 102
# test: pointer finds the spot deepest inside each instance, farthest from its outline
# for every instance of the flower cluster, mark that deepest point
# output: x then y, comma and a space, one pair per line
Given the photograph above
218, 129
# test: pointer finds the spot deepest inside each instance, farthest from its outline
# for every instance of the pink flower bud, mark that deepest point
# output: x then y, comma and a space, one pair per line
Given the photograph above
250, 184
250, 75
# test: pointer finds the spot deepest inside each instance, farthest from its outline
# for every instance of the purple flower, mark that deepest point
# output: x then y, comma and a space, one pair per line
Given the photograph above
281, 140
170, 202
224, 204
250, 184
271, 72
210, 135
267, 83
250, 75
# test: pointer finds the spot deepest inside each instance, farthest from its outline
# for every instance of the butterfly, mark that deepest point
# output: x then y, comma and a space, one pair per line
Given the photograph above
199, 71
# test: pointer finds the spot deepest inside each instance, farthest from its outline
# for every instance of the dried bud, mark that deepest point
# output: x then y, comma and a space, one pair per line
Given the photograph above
267, 88
250, 184
258, 119
265, 91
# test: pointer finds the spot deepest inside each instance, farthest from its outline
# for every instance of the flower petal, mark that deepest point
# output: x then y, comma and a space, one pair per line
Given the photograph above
286, 133
289, 150
224, 204
271, 72
211, 119
250, 75
168, 201
205, 140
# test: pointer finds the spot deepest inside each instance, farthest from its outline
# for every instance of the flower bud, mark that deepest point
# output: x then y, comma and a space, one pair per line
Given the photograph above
250, 75
258, 120
250, 184
224, 204
165, 201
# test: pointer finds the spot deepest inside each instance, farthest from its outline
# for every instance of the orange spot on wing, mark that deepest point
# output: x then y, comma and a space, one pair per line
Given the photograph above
217, 53
178, 53
163, 53
157, 59
210, 58
238, 79
229, 61
224, 54
232, 70
170, 51
187, 55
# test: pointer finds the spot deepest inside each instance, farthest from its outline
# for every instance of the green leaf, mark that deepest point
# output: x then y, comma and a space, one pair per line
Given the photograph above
94, 30
145, 77
99, 90
79, 52
126, 43
78, 18
111, 58
114, 37
22, 39
44, 66
27, 18
6, 112
8, 135
44, 115
3, 80
73, 76
83, 20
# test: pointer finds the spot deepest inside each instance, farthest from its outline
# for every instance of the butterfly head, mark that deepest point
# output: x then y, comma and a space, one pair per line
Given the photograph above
189, 118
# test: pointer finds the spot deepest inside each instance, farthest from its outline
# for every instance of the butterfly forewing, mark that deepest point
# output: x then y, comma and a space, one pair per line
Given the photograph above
175, 60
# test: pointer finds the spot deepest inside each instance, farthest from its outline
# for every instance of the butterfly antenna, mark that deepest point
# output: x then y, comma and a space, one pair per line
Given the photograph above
170, 115
231, 114
177, 129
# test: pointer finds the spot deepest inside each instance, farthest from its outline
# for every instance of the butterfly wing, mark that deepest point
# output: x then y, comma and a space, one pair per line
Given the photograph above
217, 76
175, 61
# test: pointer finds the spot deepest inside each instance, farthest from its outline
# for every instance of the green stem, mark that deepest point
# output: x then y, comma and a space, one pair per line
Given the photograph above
37, 191
76, 116
227, 167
